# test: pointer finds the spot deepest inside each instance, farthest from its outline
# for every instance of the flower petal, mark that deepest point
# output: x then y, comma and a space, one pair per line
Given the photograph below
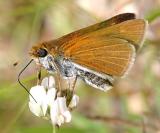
54, 112
51, 93
36, 109
39, 94
62, 104
48, 82
60, 120
74, 101
44, 106
67, 116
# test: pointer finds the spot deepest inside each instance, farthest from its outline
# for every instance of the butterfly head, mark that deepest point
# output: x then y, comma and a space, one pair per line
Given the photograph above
38, 51
42, 56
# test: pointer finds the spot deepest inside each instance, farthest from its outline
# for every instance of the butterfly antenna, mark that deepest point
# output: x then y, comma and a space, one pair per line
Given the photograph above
21, 82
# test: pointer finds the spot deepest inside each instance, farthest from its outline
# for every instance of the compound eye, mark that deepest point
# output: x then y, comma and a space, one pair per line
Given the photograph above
42, 52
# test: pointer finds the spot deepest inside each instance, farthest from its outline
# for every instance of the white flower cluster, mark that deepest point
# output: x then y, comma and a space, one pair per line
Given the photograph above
48, 105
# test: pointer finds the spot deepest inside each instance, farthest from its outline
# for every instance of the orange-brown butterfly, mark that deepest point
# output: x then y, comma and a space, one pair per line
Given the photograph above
96, 54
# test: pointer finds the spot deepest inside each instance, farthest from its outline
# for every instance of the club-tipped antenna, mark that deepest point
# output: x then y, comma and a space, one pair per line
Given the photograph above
21, 82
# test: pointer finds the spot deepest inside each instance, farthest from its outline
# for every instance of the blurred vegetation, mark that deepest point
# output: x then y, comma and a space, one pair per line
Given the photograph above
132, 106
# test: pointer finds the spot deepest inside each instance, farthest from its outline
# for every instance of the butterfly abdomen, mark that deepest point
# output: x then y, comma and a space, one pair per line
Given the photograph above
95, 80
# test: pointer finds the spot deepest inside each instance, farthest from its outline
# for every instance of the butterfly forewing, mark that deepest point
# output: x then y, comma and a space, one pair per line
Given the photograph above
109, 50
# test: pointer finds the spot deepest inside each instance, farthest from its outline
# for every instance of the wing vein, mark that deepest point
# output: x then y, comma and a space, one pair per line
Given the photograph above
95, 48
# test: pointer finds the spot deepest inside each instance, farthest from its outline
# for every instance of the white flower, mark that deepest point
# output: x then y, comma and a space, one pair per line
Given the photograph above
46, 106
59, 112
44, 95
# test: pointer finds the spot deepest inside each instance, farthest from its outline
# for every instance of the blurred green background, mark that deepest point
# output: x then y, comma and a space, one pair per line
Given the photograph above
132, 106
